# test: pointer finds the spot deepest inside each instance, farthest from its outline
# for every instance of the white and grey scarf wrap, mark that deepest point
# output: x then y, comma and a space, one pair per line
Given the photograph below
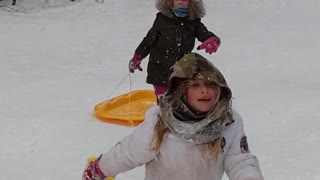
182, 122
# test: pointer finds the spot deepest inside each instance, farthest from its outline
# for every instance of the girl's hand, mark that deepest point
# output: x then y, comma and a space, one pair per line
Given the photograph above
93, 171
134, 63
210, 45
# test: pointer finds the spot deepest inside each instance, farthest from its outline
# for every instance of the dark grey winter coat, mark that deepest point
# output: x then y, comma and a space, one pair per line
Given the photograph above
170, 38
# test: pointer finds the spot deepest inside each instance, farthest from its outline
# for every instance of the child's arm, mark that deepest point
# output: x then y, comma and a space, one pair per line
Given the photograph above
132, 151
239, 163
202, 33
149, 40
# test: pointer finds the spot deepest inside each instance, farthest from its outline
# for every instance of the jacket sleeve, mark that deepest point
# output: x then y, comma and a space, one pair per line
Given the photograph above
202, 33
150, 39
132, 151
239, 163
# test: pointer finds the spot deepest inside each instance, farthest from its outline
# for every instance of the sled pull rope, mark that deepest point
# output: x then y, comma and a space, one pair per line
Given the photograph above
130, 81
129, 105
119, 85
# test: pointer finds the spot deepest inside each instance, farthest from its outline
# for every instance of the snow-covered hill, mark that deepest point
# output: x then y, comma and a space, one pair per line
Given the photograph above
55, 65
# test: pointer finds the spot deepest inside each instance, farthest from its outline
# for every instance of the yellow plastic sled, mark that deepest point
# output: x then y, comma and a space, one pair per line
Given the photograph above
127, 109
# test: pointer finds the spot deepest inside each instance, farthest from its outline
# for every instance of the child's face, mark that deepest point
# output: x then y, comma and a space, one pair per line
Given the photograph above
181, 2
201, 95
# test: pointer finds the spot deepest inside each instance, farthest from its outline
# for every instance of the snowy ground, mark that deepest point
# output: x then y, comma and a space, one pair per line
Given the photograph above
58, 63
32, 6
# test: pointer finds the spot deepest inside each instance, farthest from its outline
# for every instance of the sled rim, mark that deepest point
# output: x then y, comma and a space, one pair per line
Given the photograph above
126, 109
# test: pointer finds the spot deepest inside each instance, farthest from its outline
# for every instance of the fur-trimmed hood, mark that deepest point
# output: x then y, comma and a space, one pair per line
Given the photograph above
196, 8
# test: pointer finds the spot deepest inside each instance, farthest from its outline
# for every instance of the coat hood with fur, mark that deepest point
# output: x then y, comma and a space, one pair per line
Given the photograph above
196, 8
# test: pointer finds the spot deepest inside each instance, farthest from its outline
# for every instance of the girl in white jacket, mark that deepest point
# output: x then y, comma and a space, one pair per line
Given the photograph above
194, 134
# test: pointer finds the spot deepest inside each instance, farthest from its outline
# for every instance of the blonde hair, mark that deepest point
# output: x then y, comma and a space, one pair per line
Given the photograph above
222, 109
160, 130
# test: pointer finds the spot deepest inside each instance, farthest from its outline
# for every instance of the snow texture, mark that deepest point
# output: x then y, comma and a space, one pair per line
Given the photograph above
58, 63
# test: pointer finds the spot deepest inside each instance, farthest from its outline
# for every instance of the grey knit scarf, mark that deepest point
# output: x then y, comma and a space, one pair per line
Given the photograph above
184, 123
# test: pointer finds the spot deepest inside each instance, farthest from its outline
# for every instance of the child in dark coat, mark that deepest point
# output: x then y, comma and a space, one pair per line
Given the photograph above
172, 35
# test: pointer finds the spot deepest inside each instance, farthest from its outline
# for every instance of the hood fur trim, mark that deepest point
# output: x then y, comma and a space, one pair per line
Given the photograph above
196, 8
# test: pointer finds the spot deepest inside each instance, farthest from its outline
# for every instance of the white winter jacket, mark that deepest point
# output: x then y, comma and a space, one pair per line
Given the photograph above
179, 159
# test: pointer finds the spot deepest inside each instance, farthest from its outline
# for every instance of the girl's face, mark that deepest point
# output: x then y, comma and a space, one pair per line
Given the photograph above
181, 2
201, 95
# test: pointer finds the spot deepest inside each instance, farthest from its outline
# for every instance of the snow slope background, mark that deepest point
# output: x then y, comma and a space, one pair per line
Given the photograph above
32, 6
58, 63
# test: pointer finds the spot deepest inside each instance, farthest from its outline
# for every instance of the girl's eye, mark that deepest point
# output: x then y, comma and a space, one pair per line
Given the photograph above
210, 85
194, 85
